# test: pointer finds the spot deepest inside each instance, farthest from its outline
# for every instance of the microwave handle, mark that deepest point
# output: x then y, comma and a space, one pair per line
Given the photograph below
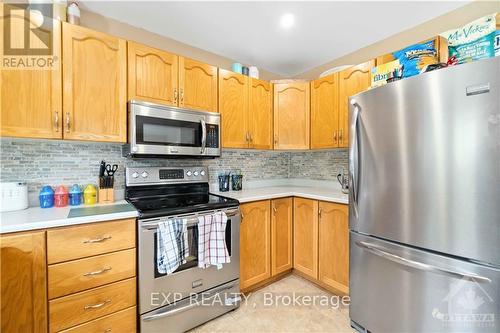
203, 135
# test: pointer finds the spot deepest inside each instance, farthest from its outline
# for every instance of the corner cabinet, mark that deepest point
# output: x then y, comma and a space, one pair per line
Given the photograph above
291, 115
352, 81
152, 74
95, 82
325, 112
233, 106
31, 100
197, 85
255, 243
334, 245
23, 282
305, 236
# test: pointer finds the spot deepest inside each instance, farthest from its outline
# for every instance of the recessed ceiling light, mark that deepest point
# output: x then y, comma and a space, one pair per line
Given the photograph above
287, 20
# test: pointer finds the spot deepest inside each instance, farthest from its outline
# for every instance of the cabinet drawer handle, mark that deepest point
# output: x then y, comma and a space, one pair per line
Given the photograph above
68, 123
107, 330
105, 269
97, 240
96, 306
56, 120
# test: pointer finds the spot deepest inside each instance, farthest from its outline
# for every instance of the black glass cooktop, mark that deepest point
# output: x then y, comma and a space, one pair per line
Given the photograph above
164, 200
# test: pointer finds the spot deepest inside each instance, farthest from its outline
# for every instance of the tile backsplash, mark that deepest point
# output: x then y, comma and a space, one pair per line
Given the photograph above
54, 162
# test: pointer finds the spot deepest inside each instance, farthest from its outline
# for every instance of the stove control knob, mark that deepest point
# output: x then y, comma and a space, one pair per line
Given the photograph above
196, 173
135, 175
144, 174
189, 173
202, 172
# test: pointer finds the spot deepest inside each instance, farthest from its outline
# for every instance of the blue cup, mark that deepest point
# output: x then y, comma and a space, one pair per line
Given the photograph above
237, 67
46, 197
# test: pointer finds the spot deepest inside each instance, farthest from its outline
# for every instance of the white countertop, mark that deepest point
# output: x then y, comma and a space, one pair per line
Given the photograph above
317, 190
34, 218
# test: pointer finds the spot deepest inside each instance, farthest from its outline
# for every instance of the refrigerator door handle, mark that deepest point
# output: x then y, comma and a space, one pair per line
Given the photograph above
420, 265
354, 157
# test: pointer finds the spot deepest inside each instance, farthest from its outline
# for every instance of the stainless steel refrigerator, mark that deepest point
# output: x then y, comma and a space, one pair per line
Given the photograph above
424, 165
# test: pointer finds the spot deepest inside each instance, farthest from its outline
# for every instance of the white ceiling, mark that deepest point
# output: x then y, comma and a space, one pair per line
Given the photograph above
250, 32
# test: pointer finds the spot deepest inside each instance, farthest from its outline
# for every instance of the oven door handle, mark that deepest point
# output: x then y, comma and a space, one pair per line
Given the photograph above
186, 307
191, 220
203, 135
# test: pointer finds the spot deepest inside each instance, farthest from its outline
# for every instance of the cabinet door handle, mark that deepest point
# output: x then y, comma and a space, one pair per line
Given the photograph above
68, 122
319, 213
275, 140
274, 210
175, 95
247, 139
334, 136
242, 217
182, 96
341, 134
105, 269
56, 120
97, 240
250, 137
96, 306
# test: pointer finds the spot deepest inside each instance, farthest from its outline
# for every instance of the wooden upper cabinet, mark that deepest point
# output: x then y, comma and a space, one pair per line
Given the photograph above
95, 85
233, 107
23, 283
325, 112
291, 115
260, 114
353, 80
152, 75
281, 235
31, 100
255, 243
305, 236
334, 246
197, 85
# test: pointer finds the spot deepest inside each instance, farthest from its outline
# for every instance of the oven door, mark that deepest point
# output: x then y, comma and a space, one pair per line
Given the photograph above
163, 130
157, 290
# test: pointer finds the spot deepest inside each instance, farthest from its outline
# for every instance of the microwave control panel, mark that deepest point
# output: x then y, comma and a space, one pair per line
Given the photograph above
212, 136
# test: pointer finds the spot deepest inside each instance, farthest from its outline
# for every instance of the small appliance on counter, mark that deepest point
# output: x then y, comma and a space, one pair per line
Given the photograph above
14, 196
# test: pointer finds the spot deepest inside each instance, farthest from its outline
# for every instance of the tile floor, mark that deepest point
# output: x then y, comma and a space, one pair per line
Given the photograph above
257, 315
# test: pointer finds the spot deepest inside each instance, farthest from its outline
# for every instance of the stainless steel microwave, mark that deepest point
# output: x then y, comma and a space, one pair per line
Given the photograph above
159, 130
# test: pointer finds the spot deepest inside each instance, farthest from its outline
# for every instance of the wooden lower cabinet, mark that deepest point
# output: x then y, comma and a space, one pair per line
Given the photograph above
255, 243
281, 235
81, 307
123, 321
305, 236
334, 245
23, 282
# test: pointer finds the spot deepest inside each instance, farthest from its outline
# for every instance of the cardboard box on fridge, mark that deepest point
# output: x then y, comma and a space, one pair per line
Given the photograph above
380, 73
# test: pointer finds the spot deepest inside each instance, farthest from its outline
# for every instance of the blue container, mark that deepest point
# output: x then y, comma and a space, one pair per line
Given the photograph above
46, 197
75, 195
237, 67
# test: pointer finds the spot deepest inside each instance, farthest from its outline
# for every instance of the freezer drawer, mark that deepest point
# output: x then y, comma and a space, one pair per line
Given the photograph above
189, 313
400, 289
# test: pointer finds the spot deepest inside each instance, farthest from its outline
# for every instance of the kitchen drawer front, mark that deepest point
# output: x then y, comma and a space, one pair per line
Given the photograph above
88, 240
77, 275
68, 311
123, 321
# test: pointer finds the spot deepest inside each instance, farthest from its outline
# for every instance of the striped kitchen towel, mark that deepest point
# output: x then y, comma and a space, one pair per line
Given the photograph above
212, 248
172, 245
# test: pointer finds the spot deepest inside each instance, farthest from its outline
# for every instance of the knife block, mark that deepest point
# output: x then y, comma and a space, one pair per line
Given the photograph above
106, 195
